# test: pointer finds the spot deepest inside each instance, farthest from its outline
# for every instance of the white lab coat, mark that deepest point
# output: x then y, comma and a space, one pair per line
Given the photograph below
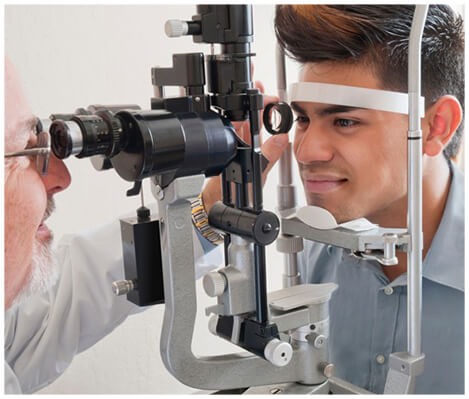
43, 335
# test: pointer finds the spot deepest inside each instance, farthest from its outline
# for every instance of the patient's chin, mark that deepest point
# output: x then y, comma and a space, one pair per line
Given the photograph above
43, 275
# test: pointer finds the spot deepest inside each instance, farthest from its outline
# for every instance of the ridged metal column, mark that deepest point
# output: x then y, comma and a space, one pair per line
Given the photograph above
286, 190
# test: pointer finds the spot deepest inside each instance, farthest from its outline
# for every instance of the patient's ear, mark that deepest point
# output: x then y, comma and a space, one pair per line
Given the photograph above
443, 118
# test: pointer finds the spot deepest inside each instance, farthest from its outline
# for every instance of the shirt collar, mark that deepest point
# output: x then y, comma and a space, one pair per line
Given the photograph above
444, 262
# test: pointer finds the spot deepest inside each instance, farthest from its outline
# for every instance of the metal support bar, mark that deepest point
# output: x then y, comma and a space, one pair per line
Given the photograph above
405, 367
414, 210
257, 200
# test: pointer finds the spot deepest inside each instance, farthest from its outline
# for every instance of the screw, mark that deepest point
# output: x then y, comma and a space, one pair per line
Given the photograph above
266, 228
319, 342
275, 391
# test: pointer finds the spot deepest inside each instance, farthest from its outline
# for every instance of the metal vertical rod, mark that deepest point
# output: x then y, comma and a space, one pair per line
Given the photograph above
241, 196
414, 182
141, 196
226, 195
285, 175
261, 285
257, 200
286, 192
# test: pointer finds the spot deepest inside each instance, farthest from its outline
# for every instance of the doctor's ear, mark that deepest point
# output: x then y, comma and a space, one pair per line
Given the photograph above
443, 118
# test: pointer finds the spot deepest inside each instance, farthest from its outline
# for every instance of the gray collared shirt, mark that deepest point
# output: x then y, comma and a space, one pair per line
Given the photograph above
368, 314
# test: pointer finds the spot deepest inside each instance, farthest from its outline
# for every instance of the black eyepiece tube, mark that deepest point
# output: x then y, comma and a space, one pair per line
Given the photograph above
170, 145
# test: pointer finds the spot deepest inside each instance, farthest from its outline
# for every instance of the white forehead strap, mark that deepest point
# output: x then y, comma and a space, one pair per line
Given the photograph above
349, 96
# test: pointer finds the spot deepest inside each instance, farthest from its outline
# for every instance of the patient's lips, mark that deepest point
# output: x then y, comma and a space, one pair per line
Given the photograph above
323, 183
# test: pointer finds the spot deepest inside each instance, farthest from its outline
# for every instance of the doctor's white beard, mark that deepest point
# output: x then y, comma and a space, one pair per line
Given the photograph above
44, 268
44, 273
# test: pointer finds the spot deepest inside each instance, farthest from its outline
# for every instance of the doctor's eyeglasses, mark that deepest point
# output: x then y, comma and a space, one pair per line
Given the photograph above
41, 151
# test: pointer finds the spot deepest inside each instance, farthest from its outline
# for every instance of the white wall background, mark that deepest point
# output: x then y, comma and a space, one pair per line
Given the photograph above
73, 56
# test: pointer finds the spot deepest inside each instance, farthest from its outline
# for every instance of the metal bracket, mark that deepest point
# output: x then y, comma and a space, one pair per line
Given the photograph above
378, 244
212, 372
403, 369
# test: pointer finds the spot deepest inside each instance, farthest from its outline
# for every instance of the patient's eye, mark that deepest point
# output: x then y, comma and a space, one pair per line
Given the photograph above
302, 122
346, 125
340, 122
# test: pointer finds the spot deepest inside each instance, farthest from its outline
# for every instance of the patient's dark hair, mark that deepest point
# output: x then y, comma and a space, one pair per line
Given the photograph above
378, 36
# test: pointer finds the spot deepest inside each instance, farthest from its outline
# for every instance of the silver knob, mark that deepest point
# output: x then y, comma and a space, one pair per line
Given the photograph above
214, 284
122, 287
318, 340
277, 352
327, 369
389, 256
176, 28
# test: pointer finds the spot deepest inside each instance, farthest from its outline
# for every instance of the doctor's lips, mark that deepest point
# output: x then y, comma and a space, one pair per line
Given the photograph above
322, 183
42, 230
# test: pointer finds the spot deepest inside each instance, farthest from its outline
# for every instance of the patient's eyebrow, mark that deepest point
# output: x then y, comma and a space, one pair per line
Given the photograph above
336, 109
326, 110
297, 108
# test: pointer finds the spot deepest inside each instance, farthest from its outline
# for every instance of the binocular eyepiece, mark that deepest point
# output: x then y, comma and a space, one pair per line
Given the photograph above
87, 135
87, 132
140, 144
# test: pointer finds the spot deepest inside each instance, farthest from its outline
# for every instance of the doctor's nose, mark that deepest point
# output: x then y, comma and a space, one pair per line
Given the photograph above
58, 177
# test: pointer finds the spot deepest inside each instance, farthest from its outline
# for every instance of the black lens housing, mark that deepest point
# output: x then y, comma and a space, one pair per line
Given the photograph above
142, 144
168, 145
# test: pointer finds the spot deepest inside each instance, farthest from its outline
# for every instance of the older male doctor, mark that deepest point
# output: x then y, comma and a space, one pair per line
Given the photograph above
59, 303
52, 312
